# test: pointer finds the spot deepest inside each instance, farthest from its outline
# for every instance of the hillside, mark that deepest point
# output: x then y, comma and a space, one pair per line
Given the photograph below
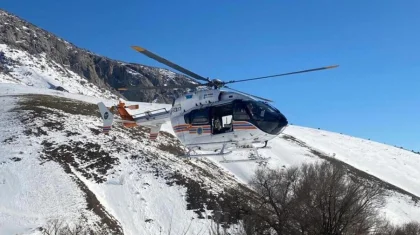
395, 169
27, 52
57, 164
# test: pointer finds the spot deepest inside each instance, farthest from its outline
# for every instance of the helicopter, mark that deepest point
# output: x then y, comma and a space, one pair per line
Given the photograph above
218, 119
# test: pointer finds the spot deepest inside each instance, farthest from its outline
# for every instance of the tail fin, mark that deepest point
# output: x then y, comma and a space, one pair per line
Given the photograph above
107, 117
154, 131
125, 115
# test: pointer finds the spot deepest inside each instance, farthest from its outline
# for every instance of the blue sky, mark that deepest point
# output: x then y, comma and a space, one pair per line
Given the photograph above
375, 93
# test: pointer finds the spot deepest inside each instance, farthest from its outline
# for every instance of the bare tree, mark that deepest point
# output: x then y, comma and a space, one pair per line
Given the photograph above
329, 202
315, 199
276, 202
412, 228
59, 227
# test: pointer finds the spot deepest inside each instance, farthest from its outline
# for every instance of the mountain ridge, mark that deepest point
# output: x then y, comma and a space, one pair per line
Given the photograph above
102, 71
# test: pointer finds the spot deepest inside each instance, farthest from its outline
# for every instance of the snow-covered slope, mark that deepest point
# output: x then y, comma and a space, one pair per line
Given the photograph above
142, 187
26, 191
54, 163
394, 166
20, 67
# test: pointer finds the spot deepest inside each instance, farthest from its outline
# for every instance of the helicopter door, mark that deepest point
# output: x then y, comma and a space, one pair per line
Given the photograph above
221, 117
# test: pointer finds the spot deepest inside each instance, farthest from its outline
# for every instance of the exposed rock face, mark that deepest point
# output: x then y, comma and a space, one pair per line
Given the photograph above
103, 72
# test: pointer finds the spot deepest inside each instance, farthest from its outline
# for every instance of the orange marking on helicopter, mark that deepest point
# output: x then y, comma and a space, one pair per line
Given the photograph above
181, 128
200, 129
243, 125
130, 124
245, 128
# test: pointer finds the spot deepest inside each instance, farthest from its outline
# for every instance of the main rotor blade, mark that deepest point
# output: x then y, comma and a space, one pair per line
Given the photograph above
159, 87
169, 63
284, 74
261, 98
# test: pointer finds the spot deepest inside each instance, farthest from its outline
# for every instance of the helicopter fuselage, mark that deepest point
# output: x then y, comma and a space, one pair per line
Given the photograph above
210, 119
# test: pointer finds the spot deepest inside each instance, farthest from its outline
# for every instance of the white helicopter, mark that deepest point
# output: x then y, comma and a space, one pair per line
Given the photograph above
213, 120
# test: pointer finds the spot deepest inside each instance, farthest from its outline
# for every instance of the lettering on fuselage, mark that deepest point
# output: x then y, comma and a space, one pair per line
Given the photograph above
208, 95
176, 108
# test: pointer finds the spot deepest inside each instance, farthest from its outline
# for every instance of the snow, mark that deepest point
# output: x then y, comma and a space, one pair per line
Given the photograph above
31, 193
27, 197
141, 202
38, 71
132, 203
10, 89
132, 72
282, 154
401, 209
167, 73
140, 198
396, 166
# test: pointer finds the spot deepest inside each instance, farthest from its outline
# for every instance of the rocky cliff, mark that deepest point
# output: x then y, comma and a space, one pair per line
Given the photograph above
103, 72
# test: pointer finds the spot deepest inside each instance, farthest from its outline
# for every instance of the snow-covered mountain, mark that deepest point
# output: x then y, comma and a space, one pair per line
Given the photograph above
55, 163
29, 55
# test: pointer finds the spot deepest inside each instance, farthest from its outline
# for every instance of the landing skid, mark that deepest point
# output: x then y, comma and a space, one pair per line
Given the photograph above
220, 153
253, 157
264, 147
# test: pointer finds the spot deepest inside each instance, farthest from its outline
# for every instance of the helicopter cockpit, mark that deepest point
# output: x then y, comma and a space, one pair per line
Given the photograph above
261, 114
220, 117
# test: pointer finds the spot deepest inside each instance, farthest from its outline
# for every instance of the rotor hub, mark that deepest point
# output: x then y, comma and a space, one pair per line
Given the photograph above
217, 83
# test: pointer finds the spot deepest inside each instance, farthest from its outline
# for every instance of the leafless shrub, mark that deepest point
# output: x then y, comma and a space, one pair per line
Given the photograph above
412, 228
240, 229
59, 227
315, 199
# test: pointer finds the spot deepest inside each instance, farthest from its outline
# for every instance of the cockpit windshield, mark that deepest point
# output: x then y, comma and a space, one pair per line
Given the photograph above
261, 111
264, 116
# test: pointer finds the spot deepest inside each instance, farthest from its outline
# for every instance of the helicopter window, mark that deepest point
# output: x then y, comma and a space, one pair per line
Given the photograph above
198, 117
260, 114
261, 111
240, 112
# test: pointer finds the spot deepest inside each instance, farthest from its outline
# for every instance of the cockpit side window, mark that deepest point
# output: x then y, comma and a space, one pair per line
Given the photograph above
240, 112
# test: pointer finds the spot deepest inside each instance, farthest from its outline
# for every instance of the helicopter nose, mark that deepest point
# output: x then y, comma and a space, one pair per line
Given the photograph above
283, 121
